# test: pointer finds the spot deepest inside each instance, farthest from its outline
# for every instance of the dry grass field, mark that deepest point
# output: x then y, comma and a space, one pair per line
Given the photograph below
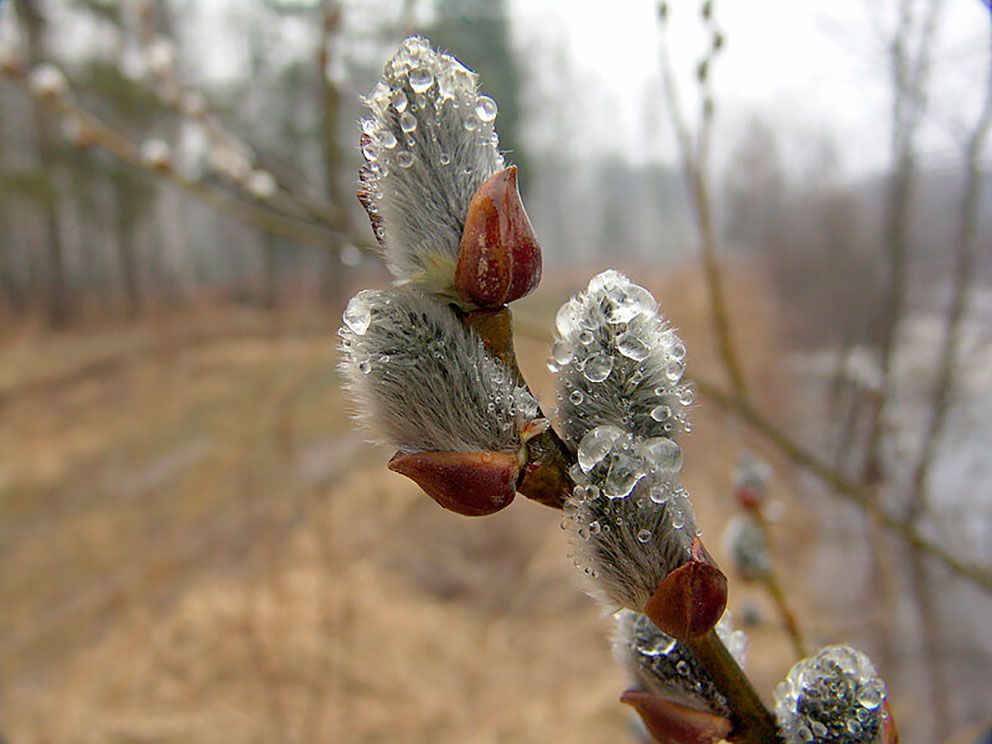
196, 546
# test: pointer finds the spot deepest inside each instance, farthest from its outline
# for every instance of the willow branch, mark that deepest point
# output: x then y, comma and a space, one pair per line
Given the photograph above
175, 94
753, 722
106, 139
773, 586
964, 278
694, 159
862, 497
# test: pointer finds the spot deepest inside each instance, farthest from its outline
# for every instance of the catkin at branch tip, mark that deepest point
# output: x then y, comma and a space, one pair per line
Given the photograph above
834, 697
422, 381
429, 143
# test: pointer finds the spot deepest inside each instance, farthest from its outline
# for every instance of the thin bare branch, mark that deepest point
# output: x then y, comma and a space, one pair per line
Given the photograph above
964, 278
694, 171
862, 497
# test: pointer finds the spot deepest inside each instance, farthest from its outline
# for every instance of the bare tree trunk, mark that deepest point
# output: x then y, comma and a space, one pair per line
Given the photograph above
58, 308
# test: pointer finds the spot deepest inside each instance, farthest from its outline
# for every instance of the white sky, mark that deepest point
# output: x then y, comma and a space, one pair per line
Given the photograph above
810, 66
813, 68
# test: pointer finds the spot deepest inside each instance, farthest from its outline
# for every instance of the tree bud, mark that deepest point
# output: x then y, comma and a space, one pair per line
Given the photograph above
499, 259
472, 484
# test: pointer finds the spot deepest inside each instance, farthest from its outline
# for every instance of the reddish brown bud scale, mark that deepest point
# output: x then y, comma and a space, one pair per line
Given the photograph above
667, 721
499, 259
890, 734
690, 600
472, 484
750, 498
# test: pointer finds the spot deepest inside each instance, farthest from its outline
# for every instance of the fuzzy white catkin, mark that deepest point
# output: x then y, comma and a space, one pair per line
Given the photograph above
627, 545
421, 381
428, 144
659, 664
618, 368
617, 361
834, 697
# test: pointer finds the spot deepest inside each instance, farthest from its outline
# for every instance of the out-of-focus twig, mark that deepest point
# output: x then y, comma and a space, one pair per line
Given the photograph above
964, 278
103, 137
861, 496
695, 164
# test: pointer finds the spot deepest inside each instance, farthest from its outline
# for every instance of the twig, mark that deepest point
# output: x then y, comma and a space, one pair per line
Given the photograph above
772, 584
861, 496
753, 721
694, 158
550, 482
964, 277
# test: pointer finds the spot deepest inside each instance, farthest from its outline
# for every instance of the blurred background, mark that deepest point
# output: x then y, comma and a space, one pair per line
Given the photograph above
195, 543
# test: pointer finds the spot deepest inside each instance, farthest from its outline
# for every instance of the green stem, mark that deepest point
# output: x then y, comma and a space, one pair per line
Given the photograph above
753, 722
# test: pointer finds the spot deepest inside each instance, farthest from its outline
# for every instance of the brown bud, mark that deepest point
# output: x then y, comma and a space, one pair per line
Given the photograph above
890, 735
472, 484
499, 259
750, 498
691, 599
667, 721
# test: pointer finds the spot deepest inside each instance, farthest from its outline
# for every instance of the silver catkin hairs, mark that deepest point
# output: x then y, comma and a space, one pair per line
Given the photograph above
618, 368
659, 664
421, 381
834, 697
429, 143
629, 524
617, 361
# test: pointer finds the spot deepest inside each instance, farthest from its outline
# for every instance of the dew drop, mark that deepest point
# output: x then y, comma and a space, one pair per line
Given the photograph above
660, 493
471, 123
595, 528
400, 101
623, 476
405, 159
387, 139
576, 397
661, 413
567, 318
421, 79
678, 519
869, 697
631, 345
595, 445
562, 352
408, 122
364, 367
358, 314
674, 370
644, 536
445, 158
586, 337
485, 108
664, 453
598, 367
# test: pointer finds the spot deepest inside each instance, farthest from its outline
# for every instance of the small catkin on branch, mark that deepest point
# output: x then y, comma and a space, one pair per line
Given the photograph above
48, 85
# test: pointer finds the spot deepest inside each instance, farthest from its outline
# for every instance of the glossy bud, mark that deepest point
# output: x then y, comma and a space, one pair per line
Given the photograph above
691, 599
499, 259
667, 721
472, 484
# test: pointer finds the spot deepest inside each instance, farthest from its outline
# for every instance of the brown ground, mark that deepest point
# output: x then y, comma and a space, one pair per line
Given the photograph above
195, 546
